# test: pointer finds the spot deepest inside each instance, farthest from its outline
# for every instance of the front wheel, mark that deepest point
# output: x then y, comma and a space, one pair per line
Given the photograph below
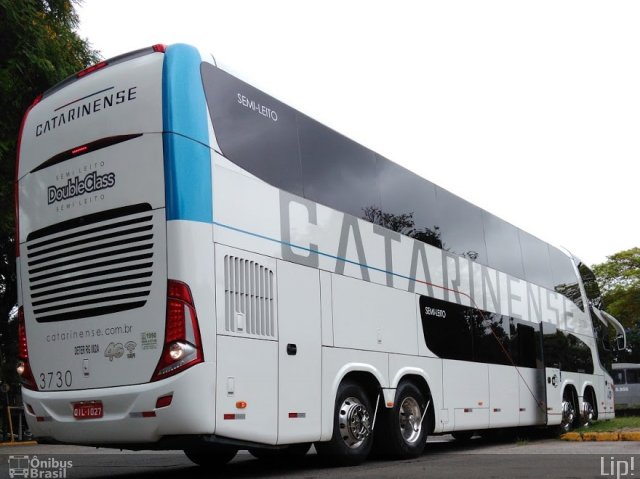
352, 436
405, 435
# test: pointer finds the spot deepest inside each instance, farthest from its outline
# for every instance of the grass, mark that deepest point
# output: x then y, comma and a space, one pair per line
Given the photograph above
614, 425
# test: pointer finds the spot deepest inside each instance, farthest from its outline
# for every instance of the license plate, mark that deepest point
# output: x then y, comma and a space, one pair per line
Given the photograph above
88, 410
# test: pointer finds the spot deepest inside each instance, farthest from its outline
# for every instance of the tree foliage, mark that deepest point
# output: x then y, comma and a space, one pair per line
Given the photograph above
39, 48
619, 281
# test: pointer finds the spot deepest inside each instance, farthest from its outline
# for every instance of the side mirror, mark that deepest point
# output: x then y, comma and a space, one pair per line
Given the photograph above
621, 343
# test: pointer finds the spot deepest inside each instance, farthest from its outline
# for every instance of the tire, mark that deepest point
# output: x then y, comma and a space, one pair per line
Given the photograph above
352, 436
403, 430
570, 417
588, 416
210, 457
289, 452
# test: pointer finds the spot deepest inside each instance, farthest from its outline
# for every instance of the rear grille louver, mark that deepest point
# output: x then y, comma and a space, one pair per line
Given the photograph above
249, 298
90, 266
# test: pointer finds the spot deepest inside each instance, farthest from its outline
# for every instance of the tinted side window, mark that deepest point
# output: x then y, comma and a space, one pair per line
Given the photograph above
564, 277
461, 227
633, 376
590, 284
408, 203
503, 245
567, 352
447, 328
525, 342
492, 338
254, 130
336, 171
618, 376
535, 258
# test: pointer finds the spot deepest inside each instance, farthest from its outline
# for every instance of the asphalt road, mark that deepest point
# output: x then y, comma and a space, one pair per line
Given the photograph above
444, 458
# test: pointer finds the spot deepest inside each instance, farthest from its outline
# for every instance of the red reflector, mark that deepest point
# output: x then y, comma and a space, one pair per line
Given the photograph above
159, 48
91, 69
80, 149
295, 415
228, 417
164, 401
241, 404
40, 418
468, 409
148, 414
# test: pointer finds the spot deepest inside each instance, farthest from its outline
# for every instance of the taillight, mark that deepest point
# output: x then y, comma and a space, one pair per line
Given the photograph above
182, 345
91, 69
159, 48
23, 368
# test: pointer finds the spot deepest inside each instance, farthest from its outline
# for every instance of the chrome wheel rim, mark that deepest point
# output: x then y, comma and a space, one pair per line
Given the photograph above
354, 422
587, 414
410, 420
568, 416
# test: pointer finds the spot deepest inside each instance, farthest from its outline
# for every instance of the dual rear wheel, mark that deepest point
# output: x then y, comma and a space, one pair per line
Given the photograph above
400, 431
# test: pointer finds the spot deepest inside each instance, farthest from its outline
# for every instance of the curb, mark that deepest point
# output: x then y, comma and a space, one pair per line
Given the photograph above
601, 436
19, 443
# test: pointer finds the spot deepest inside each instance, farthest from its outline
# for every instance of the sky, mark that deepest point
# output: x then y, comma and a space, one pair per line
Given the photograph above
529, 109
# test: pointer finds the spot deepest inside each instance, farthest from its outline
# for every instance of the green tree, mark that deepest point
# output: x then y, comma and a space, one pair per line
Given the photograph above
619, 281
40, 47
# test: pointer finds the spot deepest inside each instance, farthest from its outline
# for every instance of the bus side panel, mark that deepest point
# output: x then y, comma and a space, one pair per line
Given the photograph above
503, 391
373, 317
247, 389
466, 393
299, 353
532, 395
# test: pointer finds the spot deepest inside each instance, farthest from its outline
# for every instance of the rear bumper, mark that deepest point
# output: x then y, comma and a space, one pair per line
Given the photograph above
191, 412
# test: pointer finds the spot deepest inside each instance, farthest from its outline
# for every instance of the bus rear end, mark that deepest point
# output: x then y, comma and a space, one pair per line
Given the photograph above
104, 329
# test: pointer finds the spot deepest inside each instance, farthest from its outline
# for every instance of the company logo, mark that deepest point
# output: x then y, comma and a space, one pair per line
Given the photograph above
79, 186
26, 466
87, 105
438, 313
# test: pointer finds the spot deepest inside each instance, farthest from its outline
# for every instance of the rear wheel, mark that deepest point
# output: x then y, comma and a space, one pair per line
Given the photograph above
588, 414
211, 456
403, 428
352, 434
569, 415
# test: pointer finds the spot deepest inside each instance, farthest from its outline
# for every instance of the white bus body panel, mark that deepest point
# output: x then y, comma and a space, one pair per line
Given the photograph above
373, 317
532, 396
466, 393
190, 412
247, 372
299, 371
136, 88
504, 396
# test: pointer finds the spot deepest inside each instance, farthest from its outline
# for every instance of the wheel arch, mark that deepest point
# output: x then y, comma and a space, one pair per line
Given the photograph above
589, 395
421, 381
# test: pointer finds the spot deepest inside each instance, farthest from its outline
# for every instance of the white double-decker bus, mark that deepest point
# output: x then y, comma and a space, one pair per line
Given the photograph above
203, 267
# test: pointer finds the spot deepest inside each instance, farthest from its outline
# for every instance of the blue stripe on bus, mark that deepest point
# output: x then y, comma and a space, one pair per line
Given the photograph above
313, 251
187, 158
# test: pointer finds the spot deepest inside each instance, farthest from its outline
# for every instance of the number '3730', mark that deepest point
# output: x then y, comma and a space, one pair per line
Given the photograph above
56, 379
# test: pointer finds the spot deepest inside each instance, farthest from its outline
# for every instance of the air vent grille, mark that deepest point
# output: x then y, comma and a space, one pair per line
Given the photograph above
93, 265
249, 297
